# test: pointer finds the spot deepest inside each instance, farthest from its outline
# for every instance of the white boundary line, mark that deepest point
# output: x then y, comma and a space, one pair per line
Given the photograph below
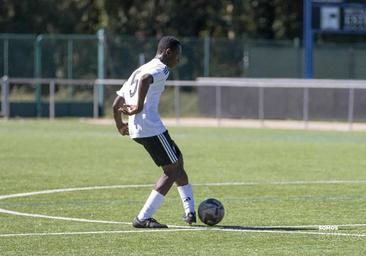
180, 228
299, 182
61, 190
60, 218
171, 226
177, 230
295, 232
99, 232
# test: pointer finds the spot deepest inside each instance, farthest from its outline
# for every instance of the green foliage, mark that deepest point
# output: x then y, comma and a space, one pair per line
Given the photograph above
216, 18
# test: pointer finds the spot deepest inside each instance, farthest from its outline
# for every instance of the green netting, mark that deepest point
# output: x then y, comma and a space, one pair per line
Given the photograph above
2, 71
191, 64
226, 58
69, 58
21, 56
16, 55
359, 63
332, 61
274, 59
76, 56
85, 58
123, 56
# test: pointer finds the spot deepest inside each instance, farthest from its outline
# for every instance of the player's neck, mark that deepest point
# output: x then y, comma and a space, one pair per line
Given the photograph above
162, 58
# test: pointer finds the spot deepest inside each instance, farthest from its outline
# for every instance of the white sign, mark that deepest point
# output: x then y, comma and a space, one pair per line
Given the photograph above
330, 18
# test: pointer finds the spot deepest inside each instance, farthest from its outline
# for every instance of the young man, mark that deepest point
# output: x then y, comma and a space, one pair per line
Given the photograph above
139, 99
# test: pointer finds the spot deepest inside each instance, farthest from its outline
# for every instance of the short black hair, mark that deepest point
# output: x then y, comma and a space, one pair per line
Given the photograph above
168, 42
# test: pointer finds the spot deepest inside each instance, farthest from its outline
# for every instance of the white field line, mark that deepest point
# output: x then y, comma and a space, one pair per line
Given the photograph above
171, 226
185, 227
98, 232
60, 218
300, 182
319, 226
294, 232
80, 220
177, 230
62, 190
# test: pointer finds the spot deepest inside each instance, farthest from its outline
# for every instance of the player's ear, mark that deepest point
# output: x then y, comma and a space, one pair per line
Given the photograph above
168, 51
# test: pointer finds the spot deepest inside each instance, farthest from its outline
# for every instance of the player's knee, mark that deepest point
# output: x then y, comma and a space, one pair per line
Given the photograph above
171, 175
173, 170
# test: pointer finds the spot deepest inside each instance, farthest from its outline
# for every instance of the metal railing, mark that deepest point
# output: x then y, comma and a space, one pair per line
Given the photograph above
52, 82
304, 84
216, 82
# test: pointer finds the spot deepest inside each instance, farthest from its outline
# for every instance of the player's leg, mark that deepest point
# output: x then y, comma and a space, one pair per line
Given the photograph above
166, 154
166, 181
144, 218
185, 193
175, 173
157, 196
158, 153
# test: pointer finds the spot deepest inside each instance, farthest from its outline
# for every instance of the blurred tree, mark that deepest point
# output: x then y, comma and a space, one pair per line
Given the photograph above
279, 19
49, 16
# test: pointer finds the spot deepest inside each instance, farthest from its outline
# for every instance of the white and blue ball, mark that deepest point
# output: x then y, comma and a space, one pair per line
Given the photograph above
211, 211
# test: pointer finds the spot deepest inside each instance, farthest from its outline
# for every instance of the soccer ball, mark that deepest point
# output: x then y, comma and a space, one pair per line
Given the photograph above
211, 211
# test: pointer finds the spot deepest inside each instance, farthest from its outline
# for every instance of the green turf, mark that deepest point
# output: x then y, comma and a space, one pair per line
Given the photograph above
41, 155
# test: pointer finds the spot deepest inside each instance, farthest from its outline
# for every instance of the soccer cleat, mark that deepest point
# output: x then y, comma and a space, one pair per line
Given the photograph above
148, 223
190, 218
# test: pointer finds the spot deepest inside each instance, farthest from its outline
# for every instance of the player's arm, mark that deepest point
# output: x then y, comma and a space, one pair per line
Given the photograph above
121, 126
143, 88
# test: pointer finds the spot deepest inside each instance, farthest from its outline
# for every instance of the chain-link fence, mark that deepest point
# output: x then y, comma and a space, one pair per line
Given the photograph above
76, 57
116, 56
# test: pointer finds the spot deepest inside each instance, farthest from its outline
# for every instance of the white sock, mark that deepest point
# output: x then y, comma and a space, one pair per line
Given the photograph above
153, 202
186, 194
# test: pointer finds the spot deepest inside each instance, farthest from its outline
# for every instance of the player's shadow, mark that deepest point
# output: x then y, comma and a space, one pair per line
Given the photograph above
265, 228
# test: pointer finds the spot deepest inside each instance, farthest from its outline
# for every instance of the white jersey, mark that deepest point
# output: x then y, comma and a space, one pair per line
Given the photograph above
147, 123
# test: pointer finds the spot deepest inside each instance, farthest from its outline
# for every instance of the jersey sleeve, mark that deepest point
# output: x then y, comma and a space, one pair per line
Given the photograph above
120, 92
159, 74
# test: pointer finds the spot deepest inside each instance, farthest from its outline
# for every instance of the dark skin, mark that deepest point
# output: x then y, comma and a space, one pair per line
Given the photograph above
172, 173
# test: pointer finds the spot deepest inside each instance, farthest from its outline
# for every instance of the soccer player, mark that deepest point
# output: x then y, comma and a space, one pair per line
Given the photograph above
139, 99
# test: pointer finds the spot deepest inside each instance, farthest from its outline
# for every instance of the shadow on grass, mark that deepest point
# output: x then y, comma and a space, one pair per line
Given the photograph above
236, 227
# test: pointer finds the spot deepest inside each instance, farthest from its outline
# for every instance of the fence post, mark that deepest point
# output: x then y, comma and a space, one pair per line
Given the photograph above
351, 63
308, 39
101, 69
95, 101
298, 57
70, 46
37, 73
306, 107
177, 104
6, 56
218, 105
5, 97
351, 101
246, 57
52, 100
261, 106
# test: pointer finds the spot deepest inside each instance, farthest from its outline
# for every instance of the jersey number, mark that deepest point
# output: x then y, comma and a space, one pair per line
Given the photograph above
134, 84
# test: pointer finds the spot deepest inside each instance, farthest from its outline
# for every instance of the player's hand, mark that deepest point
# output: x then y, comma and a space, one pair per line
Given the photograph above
124, 129
129, 109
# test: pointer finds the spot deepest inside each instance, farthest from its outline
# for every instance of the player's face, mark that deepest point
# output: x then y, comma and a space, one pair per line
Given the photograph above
174, 56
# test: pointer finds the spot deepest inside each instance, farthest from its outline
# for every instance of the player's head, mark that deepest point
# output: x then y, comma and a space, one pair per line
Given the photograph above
169, 51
